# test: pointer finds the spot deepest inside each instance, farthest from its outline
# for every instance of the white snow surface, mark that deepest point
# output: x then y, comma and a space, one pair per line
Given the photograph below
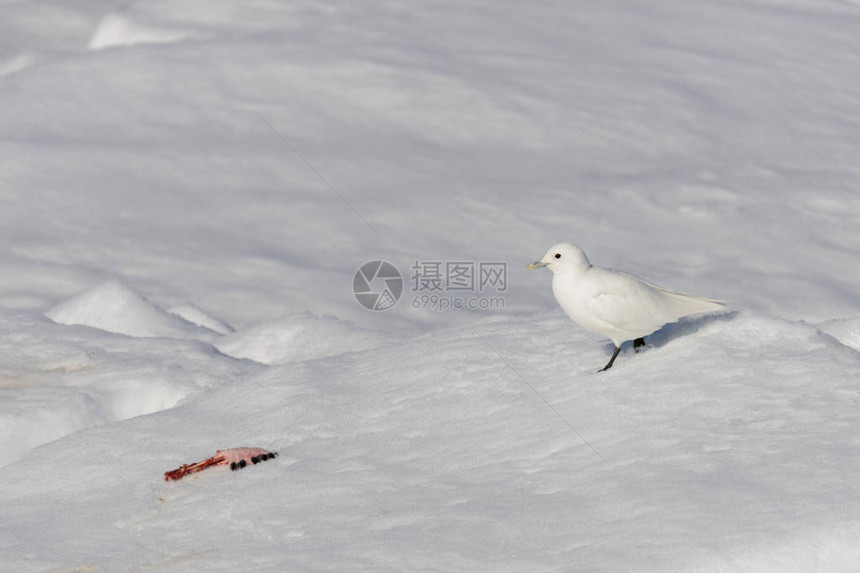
114, 307
187, 189
296, 337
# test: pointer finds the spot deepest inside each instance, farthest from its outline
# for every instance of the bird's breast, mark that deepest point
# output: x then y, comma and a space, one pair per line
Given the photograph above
573, 299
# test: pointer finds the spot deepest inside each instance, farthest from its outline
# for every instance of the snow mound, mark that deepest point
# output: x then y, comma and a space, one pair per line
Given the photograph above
296, 337
846, 331
58, 380
200, 317
119, 30
114, 307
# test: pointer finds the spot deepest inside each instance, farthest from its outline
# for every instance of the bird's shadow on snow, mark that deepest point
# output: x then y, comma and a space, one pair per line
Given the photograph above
683, 327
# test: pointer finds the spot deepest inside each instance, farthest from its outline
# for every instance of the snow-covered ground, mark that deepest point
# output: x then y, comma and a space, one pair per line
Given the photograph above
188, 188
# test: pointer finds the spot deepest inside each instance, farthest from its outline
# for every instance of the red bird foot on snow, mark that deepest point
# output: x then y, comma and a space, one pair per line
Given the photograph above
236, 458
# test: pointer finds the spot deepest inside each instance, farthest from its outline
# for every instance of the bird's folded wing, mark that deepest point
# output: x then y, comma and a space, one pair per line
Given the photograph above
628, 304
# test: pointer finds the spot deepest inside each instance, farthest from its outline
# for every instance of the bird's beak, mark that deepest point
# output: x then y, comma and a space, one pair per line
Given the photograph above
536, 265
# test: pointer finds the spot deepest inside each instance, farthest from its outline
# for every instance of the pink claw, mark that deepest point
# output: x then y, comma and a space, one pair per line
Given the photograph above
236, 458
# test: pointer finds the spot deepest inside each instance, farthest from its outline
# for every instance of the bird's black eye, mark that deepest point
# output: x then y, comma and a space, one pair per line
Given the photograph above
558, 255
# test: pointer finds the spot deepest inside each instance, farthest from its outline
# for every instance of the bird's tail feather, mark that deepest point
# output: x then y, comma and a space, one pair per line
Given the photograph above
693, 304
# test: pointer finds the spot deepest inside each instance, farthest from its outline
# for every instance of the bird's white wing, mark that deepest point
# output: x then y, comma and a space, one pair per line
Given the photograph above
673, 293
625, 303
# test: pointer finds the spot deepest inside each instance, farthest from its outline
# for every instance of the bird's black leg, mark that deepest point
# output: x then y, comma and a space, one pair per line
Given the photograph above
638, 343
611, 360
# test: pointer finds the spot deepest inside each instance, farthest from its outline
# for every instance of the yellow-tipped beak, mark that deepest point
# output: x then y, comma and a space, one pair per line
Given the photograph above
536, 265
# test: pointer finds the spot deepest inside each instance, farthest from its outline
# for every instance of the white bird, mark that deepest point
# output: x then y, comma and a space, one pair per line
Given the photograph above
614, 303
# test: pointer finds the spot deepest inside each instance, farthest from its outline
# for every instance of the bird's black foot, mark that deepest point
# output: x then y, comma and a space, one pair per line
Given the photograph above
638, 343
611, 360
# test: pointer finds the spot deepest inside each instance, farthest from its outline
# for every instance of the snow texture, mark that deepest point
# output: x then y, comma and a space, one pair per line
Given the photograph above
187, 189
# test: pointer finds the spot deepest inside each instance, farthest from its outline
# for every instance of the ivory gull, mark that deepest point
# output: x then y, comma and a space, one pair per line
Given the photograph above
614, 303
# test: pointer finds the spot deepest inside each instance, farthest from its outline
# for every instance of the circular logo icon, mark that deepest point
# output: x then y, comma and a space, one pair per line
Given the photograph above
377, 285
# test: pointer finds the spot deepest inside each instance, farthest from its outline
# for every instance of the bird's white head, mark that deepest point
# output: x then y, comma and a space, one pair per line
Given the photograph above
563, 257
